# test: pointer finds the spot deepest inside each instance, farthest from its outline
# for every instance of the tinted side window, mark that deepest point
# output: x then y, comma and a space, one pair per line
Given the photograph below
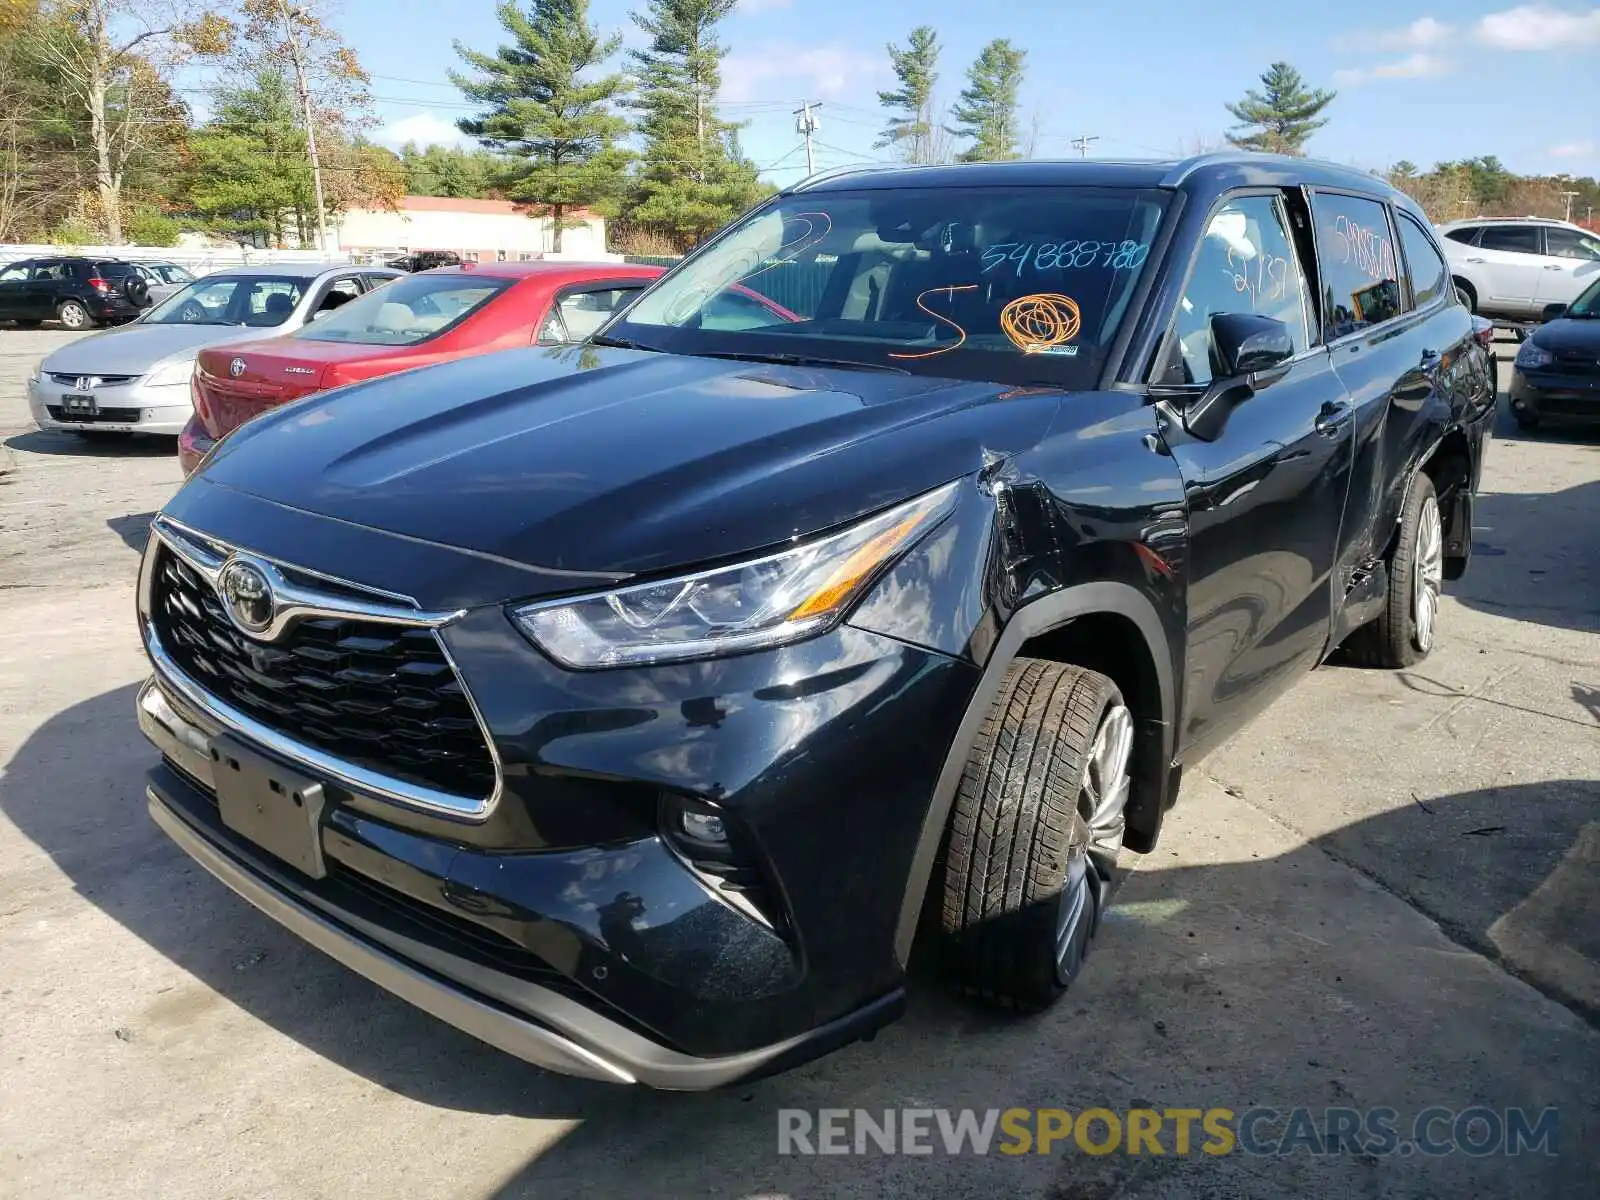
1422, 261
1468, 236
1569, 243
1517, 239
1246, 264
16, 274
1360, 275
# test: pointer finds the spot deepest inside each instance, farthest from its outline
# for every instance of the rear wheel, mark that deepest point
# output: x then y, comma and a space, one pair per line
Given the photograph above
1466, 295
1034, 834
1404, 632
73, 315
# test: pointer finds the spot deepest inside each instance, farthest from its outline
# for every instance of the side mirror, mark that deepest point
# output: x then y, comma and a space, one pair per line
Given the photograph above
1248, 344
1554, 312
1252, 352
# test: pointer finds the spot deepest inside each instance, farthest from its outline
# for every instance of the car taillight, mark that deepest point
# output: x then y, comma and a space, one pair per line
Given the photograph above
100, 285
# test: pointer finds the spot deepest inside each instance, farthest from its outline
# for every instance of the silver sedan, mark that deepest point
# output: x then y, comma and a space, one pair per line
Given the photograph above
135, 378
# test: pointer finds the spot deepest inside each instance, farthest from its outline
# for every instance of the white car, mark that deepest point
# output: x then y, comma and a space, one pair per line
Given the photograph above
163, 278
135, 378
1514, 268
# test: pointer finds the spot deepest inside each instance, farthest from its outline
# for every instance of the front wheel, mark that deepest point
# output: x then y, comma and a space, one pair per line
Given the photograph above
1404, 632
1038, 819
73, 315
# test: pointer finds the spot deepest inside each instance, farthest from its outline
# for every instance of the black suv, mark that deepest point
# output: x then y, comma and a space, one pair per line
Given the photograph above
636, 707
78, 292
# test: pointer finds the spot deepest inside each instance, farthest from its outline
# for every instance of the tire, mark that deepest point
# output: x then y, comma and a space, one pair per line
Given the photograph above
1527, 422
73, 315
1405, 631
1466, 295
1028, 855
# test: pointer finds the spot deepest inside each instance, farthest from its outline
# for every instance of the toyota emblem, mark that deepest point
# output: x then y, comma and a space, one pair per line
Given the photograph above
236, 368
247, 595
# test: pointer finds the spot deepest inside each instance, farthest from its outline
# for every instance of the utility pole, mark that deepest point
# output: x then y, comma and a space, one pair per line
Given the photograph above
1567, 196
1081, 144
293, 38
805, 124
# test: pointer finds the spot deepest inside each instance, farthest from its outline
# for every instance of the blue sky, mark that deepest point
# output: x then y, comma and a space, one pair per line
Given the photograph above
1421, 81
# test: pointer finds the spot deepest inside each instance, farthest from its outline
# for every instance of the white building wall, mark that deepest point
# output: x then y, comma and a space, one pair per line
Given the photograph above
486, 234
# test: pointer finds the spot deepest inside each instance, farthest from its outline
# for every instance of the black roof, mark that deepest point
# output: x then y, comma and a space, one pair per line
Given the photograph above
1206, 172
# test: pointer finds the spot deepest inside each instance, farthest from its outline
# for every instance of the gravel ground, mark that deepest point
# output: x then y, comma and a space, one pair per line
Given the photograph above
1380, 894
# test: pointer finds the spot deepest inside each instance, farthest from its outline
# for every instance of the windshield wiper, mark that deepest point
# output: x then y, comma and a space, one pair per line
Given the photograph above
601, 339
800, 360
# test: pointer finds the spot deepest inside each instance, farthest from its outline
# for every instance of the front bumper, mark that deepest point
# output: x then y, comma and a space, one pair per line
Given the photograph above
1555, 394
123, 408
551, 1027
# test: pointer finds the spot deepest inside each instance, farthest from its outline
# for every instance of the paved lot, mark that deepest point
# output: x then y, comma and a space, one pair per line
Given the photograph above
1382, 894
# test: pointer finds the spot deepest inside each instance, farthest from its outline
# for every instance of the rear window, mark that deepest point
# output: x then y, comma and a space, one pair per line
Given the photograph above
114, 270
408, 311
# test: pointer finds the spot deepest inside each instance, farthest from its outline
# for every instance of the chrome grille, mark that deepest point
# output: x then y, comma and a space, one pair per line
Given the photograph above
376, 694
90, 381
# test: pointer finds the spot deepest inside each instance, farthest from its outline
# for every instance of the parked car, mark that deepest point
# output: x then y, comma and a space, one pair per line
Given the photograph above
136, 379
419, 320
634, 706
1557, 370
1515, 267
426, 260
164, 279
80, 293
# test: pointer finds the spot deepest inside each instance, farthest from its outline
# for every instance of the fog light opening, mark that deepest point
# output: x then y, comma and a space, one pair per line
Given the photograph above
703, 827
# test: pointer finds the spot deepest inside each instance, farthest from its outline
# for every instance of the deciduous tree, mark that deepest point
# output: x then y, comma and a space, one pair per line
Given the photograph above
544, 107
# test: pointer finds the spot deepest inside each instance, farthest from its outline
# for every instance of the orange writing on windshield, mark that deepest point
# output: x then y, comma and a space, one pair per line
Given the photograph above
1041, 322
961, 334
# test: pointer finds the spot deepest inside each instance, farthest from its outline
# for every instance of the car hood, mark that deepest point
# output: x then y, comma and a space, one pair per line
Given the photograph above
620, 461
1566, 335
134, 348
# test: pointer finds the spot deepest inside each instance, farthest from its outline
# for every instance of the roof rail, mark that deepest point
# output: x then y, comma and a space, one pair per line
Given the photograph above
827, 173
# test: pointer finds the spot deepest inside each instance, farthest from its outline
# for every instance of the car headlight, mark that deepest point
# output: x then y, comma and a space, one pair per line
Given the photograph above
752, 605
170, 374
1533, 357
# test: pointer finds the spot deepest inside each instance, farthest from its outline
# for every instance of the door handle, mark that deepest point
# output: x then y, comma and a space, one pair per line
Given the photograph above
1331, 417
1554, 267
1476, 260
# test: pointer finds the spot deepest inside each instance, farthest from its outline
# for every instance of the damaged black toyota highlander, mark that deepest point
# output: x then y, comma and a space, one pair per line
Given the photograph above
866, 583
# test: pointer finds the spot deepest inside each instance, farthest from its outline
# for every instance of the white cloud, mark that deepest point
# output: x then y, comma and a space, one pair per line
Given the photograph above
1574, 149
423, 128
1412, 66
824, 72
1421, 34
1539, 27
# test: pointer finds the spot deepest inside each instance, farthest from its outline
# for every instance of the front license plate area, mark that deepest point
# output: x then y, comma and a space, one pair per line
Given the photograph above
79, 406
277, 809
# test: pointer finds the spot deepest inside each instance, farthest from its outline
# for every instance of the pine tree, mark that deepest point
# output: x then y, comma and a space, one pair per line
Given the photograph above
987, 112
542, 108
694, 178
1279, 118
911, 129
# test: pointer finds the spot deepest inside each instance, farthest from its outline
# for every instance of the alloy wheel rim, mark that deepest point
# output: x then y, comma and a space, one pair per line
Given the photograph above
71, 316
1098, 826
1428, 571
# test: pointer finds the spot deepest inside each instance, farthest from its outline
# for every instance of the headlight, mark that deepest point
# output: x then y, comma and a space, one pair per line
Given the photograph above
35, 375
1534, 357
170, 374
753, 605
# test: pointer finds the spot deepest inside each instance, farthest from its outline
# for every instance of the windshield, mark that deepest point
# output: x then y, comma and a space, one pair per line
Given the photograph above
1588, 304
257, 301
1015, 285
409, 310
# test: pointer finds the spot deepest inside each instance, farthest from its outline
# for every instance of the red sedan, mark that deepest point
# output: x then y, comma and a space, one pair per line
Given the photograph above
414, 322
